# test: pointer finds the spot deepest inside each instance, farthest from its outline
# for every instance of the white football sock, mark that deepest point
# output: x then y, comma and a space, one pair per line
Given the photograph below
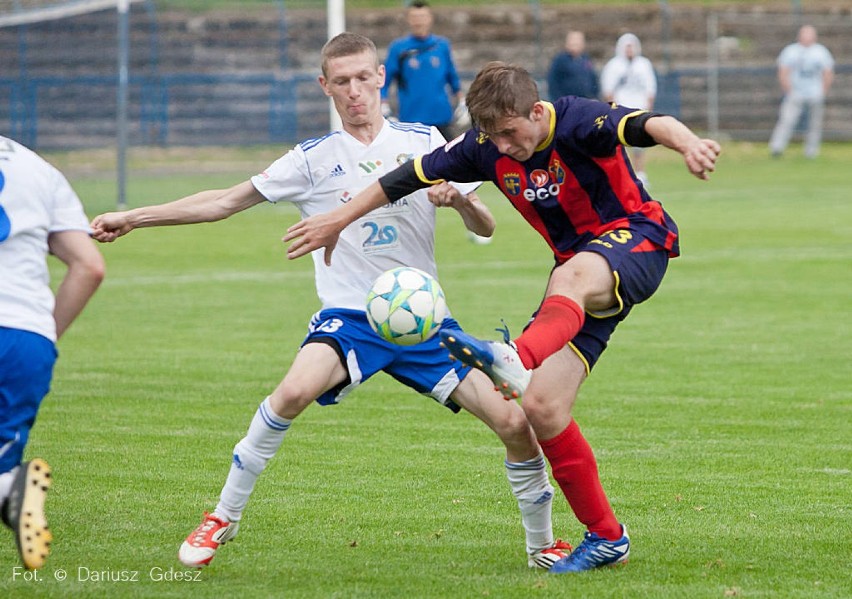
265, 434
531, 487
6, 483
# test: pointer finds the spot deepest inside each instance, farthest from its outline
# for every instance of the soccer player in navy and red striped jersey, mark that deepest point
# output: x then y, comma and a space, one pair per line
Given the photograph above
565, 168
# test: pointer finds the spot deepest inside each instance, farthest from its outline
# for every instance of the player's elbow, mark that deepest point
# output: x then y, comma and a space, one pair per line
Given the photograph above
85, 274
221, 209
92, 269
487, 229
482, 229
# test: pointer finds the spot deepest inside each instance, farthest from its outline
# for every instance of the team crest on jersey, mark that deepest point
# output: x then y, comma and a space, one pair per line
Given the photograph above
481, 138
512, 183
345, 197
557, 173
403, 158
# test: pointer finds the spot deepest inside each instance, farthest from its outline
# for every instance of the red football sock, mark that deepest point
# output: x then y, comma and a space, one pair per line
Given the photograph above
574, 467
556, 323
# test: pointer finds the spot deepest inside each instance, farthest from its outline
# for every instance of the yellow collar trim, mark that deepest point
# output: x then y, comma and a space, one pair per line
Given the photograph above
549, 139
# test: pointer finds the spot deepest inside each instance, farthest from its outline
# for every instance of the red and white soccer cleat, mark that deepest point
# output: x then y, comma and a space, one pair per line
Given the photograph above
547, 557
199, 548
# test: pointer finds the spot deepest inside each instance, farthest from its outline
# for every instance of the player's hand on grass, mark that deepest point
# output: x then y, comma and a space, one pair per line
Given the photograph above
110, 226
700, 157
321, 230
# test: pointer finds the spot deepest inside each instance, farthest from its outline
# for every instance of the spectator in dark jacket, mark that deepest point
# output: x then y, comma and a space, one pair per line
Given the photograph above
571, 72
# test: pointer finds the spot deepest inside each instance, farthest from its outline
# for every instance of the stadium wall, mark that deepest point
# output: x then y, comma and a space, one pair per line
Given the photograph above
248, 76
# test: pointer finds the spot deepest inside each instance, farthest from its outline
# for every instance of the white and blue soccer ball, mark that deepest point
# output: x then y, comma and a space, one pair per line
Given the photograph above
406, 306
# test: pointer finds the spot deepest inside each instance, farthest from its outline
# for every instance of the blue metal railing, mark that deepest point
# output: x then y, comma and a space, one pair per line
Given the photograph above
161, 106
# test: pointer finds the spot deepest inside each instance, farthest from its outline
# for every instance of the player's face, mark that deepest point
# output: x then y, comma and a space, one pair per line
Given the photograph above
518, 137
354, 83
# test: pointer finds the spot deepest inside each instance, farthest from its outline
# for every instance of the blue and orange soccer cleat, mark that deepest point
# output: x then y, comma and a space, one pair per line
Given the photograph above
500, 361
595, 552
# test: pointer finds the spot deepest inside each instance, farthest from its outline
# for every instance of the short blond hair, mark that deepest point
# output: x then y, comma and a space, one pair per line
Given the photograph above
500, 90
347, 44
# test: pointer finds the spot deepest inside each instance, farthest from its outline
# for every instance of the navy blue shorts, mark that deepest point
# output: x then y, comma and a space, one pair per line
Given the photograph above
26, 368
639, 266
425, 367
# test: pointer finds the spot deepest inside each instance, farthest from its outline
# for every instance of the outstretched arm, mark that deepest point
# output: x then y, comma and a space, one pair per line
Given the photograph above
323, 230
201, 207
699, 154
475, 215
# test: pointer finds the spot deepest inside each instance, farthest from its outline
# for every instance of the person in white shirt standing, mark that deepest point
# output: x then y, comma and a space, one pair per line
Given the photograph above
341, 351
39, 214
628, 79
805, 72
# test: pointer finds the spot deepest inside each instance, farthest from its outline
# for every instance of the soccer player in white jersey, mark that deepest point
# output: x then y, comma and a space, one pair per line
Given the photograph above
806, 73
39, 214
340, 350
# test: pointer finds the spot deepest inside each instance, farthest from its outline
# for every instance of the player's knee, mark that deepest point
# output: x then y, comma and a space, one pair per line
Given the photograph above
539, 408
584, 277
512, 425
289, 399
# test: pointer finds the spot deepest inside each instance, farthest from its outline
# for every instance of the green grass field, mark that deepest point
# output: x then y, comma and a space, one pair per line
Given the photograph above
720, 415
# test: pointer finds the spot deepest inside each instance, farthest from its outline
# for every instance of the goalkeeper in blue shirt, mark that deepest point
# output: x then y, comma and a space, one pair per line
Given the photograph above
422, 66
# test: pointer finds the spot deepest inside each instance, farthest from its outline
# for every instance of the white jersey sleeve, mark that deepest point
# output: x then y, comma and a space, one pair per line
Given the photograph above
35, 201
288, 178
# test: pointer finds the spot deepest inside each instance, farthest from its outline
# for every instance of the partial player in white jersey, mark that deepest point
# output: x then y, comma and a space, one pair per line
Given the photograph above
805, 73
39, 214
340, 350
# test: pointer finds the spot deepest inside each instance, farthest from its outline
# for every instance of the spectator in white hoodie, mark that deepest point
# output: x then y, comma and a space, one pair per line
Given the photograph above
628, 79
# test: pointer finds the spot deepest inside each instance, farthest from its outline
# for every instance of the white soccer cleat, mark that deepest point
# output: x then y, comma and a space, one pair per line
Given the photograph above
547, 557
500, 361
199, 548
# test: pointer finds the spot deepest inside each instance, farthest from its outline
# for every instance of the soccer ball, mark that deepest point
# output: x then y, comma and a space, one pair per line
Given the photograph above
406, 306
